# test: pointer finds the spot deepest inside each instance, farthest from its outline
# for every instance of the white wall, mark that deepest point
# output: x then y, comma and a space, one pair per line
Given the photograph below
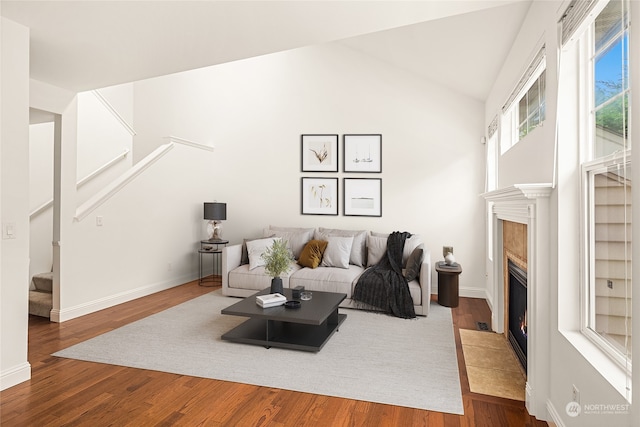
255, 111
101, 139
148, 241
532, 161
14, 202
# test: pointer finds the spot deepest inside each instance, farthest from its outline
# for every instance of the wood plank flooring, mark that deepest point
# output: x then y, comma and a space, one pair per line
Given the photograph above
64, 392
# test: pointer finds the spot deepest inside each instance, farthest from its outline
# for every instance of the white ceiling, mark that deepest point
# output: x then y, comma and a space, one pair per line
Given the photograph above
83, 45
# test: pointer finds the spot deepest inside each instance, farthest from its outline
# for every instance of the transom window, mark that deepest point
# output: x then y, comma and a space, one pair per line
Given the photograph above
526, 108
531, 107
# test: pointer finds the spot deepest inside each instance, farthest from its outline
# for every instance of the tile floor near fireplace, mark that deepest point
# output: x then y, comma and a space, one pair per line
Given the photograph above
492, 367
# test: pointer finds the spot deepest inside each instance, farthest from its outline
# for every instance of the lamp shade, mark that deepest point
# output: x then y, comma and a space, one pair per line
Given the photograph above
215, 211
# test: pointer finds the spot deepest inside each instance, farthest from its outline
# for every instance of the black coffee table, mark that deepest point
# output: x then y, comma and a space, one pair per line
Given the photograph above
306, 328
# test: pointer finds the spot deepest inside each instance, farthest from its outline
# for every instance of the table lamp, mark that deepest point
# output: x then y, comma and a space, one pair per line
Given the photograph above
215, 212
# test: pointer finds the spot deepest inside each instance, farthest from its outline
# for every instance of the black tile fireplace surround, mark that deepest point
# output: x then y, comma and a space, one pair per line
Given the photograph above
517, 333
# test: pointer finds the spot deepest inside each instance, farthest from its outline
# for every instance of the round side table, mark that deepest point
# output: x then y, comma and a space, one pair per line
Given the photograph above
210, 247
448, 283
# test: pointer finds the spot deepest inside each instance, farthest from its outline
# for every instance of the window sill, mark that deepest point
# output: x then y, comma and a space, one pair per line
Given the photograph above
610, 371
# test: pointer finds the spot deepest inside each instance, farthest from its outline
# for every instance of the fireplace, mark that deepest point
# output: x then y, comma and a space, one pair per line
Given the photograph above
526, 204
517, 312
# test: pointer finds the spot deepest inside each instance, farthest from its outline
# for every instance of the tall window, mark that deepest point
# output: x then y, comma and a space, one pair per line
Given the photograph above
606, 177
526, 108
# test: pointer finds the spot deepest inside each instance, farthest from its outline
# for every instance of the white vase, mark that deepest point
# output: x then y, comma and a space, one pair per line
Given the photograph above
450, 259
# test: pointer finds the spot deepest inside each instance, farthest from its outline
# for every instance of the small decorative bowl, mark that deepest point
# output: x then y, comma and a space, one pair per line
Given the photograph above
292, 304
305, 295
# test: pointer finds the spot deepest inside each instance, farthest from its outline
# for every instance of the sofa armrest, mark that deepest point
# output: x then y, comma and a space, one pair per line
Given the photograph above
231, 258
425, 281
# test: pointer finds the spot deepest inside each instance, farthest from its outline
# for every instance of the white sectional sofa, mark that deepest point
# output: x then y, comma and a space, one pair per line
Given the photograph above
242, 278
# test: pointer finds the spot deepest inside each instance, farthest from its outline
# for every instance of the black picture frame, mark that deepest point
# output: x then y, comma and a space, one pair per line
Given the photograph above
362, 197
362, 153
319, 196
319, 152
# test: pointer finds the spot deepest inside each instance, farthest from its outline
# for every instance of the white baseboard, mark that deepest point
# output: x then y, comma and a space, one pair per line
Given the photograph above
556, 420
467, 292
473, 293
119, 298
15, 375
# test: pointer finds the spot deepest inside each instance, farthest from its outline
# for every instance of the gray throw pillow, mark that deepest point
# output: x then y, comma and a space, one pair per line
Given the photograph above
376, 247
413, 264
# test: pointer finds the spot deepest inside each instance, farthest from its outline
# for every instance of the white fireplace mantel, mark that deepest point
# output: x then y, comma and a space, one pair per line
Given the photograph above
526, 204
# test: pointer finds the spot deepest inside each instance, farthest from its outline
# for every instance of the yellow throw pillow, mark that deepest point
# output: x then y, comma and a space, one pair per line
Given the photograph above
311, 254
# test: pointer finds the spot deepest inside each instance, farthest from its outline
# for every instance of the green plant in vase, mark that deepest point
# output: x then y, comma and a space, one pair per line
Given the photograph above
277, 260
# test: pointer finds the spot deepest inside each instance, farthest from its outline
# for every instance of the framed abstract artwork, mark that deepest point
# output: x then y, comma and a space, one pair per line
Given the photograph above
319, 153
362, 197
363, 153
319, 196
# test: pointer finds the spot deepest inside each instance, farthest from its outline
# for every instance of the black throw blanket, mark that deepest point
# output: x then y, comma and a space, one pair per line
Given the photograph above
383, 286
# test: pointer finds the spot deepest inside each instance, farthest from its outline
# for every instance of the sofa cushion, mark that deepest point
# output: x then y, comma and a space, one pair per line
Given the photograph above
412, 270
255, 249
416, 292
376, 248
257, 279
358, 254
296, 238
338, 252
327, 279
311, 255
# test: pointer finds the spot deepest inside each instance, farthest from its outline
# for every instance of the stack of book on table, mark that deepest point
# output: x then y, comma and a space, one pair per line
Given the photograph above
270, 300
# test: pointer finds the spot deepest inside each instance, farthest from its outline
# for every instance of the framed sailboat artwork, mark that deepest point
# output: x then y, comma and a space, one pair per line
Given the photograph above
363, 153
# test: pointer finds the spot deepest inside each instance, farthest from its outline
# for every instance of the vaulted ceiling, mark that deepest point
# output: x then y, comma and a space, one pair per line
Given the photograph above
83, 45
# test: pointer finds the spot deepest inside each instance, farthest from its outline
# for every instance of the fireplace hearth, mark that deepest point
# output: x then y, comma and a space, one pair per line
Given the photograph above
518, 328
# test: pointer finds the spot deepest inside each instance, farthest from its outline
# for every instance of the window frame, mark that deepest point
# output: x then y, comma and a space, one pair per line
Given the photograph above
510, 122
588, 171
589, 168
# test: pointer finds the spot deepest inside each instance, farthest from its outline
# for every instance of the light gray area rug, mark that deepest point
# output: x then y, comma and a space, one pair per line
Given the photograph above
373, 357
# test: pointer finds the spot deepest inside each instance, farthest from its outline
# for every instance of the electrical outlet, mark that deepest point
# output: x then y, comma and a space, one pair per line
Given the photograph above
575, 394
610, 284
446, 250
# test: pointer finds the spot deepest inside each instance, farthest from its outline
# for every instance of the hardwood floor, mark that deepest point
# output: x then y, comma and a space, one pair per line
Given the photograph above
75, 393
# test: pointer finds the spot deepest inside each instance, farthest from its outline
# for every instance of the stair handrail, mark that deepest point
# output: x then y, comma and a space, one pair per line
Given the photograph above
46, 205
114, 112
103, 195
178, 140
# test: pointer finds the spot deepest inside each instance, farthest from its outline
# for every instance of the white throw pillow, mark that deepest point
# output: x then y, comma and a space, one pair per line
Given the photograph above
359, 247
337, 252
255, 249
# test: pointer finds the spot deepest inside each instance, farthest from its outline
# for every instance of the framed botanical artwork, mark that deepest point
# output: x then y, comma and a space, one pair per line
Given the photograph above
319, 196
319, 153
362, 197
363, 153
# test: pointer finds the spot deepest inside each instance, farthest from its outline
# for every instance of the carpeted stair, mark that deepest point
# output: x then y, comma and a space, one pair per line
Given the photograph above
41, 298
